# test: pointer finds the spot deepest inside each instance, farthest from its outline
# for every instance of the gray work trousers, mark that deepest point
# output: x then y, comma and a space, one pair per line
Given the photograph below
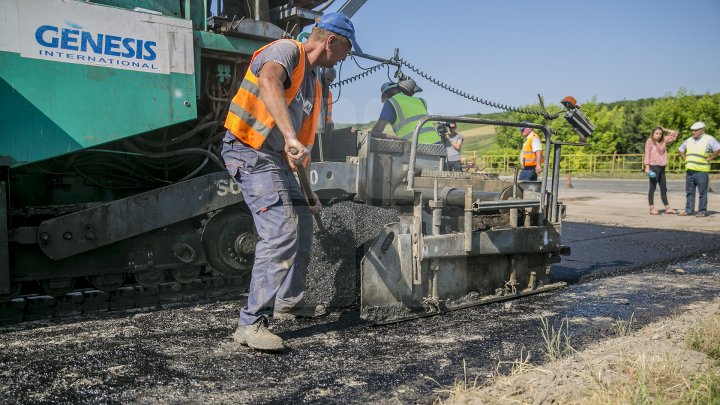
284, 226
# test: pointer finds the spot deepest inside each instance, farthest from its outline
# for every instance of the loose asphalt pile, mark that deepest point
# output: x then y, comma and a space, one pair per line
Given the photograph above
334, 272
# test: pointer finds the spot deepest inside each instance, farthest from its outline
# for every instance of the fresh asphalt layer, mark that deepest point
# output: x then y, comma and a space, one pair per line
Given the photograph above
184, 354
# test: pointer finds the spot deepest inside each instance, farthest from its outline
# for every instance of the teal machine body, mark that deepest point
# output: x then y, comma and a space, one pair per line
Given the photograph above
112, 117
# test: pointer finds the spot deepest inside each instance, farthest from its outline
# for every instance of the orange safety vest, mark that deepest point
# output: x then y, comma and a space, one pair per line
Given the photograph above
527, 152
328, 113
250, 121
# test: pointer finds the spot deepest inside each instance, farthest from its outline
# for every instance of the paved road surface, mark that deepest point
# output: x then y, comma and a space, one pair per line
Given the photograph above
185, 355
608, 227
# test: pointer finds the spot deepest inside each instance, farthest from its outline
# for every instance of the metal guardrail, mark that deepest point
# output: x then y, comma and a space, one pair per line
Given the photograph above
581, 163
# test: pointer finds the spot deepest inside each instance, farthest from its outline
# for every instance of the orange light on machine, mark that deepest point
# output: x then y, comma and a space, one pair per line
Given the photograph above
580, 123
570, 103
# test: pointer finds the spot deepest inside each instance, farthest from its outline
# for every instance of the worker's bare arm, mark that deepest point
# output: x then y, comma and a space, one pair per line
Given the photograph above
272, 93
378, 128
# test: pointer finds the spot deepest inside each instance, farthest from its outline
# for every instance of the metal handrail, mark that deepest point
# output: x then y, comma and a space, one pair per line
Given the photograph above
466, 120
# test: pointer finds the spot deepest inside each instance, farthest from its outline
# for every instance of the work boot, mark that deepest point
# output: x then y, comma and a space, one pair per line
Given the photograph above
258, 337
300, 312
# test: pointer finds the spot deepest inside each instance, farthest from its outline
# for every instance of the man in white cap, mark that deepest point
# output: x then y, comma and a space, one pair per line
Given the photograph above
697, 152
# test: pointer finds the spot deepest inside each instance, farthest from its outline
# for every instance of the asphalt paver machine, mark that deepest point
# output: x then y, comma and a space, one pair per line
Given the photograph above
464, 239
111, 184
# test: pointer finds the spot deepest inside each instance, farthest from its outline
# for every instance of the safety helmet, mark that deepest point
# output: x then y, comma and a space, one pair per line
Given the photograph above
409, 87
387, 87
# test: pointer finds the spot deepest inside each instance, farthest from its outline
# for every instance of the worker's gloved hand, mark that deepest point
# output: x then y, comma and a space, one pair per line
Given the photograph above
317, 207
296, 152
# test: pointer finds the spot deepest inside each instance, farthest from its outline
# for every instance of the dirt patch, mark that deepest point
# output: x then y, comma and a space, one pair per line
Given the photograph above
591, 374
631, 210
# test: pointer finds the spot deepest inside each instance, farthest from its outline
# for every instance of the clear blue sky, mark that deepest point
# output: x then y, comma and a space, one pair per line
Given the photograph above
508, 51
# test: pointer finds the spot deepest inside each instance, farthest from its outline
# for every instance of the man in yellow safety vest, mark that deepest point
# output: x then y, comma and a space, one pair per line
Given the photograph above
697, 152
403, 111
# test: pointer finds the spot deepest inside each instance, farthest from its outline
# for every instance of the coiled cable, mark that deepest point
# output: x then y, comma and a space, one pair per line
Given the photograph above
470, 96
367, 71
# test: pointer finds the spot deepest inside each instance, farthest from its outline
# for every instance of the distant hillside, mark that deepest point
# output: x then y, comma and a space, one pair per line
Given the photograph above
620, 127
478, 138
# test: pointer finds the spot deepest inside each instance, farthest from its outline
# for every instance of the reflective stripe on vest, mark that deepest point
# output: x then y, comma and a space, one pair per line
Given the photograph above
408, 111
696, 155
250, 121
528, 154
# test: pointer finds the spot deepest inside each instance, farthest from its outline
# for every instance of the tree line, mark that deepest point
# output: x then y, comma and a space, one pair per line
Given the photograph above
620, 127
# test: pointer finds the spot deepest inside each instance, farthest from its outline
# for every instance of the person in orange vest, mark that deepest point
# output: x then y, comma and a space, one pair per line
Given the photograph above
271, 126
531, 156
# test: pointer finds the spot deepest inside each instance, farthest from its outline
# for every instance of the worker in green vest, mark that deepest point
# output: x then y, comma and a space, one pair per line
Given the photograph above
698, 151
403, 111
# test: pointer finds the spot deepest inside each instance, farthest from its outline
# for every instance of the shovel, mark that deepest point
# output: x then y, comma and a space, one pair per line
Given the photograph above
307, 190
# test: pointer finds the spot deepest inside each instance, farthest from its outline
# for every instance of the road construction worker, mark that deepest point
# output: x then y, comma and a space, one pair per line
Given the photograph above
271, 125
403, 111
531, 156
697, 152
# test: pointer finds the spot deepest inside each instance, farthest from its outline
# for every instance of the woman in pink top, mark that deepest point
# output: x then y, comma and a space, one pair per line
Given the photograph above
655, 160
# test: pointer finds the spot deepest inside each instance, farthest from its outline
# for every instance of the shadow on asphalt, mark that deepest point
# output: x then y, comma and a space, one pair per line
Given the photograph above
599, 250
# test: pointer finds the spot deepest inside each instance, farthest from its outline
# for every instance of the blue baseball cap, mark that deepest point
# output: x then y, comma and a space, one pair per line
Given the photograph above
522, 129
340, 24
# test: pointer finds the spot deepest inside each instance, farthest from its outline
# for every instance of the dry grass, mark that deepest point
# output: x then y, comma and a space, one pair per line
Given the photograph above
624, 328
557, 342
657, 381
460, 392
640, 378
660, 379
705, 338
478, 138
518, 366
